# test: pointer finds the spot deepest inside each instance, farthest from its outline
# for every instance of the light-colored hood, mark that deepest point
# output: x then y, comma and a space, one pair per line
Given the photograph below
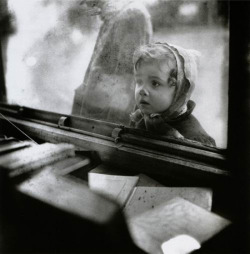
187, 68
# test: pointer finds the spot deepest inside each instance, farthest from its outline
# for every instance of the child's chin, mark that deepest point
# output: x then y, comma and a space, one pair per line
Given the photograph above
146, 112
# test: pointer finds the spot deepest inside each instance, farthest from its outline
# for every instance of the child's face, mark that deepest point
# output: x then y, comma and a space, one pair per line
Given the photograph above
155, 86
94, 7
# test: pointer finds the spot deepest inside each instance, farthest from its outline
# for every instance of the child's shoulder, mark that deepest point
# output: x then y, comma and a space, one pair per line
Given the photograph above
190, 128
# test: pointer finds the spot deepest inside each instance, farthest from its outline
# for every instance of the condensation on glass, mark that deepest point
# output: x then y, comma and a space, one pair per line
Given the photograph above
68, 57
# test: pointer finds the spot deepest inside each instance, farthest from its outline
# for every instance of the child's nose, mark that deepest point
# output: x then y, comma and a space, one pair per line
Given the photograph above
143, 91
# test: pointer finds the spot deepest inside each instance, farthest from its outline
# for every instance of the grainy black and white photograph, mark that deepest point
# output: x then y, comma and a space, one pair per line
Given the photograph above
124, 126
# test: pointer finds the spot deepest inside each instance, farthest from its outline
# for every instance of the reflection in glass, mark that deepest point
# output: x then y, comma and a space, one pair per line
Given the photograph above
66, 59
107, 91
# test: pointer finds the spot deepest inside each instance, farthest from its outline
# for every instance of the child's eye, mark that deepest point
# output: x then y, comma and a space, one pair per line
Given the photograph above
172, 82
155, 83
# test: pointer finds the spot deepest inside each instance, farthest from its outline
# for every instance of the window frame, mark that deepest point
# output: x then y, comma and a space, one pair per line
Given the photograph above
185, 154
237, 194
178, 162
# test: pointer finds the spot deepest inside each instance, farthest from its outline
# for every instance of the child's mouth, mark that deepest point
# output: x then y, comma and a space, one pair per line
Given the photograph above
144, 103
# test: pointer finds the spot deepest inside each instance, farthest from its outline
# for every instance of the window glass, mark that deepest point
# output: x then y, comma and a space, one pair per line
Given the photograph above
76, 57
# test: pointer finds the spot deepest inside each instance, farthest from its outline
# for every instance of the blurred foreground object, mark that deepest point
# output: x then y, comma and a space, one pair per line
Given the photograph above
45, 211
181, 244
175, 217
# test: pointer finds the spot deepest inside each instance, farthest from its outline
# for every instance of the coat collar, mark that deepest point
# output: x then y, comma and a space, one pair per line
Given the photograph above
137, 116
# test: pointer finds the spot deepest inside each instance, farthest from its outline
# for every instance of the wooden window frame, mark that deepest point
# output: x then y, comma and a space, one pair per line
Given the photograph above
118, 145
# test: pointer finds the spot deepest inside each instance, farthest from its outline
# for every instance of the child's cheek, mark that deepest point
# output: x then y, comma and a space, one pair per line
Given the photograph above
136, 92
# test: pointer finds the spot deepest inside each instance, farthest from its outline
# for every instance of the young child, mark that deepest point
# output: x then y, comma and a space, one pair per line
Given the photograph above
165, 78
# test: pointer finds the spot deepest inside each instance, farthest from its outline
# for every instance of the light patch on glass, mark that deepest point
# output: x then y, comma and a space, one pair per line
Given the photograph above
189, 9
181, 244
31, 61
76, 36
149, 2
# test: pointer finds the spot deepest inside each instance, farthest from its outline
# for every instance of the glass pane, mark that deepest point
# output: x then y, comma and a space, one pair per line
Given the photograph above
76, 57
